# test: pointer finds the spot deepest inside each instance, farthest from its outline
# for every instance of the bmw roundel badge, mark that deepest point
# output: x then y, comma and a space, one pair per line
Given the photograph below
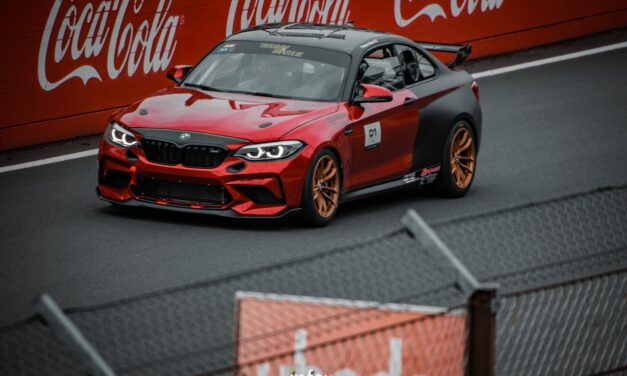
185, 136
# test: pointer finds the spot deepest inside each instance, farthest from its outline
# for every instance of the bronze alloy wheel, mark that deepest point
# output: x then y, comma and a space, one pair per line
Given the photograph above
326, 187
463, 156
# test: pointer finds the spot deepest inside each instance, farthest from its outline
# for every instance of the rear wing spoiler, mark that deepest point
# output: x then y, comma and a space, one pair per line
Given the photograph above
461, 51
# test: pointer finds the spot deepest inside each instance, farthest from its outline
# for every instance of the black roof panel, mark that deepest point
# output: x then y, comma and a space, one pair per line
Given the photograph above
339, 38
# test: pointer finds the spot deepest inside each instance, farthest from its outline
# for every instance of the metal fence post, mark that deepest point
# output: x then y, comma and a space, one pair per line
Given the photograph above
480, 343
64, 329
481, 297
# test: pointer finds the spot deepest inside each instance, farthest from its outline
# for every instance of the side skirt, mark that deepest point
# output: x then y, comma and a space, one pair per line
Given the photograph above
420, 177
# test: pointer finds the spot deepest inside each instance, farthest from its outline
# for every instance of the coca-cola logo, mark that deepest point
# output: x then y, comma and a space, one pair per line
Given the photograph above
131, 40
247, 13
435, 10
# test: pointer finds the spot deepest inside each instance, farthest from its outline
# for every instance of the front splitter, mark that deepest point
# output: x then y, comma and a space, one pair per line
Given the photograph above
226, 213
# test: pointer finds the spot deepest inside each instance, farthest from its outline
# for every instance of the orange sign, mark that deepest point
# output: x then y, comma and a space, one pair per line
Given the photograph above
68, 64
283, 335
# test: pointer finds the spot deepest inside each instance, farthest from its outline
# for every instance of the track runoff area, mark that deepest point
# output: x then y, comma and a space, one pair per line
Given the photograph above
478, 75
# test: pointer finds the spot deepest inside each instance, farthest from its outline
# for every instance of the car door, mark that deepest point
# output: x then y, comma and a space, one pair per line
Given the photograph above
381, 135
421, 77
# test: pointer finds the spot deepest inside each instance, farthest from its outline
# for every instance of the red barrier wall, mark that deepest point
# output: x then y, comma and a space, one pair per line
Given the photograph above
67, 64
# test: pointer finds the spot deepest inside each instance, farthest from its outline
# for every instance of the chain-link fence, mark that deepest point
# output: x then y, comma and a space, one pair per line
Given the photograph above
573, 328
389, 306
191, 330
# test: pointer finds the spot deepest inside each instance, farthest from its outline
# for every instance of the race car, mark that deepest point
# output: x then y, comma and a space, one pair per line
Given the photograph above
295, 119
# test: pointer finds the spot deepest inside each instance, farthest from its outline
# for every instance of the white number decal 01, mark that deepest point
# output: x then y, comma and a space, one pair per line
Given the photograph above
372, 135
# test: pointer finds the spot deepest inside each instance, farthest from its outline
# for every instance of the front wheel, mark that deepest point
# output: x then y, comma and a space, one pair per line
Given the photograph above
321, 194
458, 164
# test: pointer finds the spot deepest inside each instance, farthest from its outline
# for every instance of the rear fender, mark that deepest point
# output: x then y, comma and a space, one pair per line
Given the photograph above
437, 118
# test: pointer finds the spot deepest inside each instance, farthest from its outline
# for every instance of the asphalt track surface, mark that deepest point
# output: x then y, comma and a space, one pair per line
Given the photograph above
548, 131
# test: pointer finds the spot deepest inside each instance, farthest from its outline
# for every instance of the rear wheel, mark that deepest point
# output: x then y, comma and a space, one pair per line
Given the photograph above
458, 164
321, 195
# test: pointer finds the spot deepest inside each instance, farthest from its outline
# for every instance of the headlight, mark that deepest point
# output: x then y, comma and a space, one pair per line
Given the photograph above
269, 151
121, 136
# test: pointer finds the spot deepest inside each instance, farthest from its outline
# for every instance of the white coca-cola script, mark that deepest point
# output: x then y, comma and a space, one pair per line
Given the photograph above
435, 10
81, 34
246, 13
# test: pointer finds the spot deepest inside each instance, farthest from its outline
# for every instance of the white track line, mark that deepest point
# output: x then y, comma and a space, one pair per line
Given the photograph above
41, 162
550, 60
488, 73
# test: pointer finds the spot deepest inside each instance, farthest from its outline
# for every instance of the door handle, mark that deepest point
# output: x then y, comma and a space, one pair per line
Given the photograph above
409, 101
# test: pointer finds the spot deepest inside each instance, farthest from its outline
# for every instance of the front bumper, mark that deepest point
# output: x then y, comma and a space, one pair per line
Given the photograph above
246, 189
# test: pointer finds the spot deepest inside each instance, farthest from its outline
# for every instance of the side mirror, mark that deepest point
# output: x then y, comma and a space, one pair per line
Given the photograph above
372, 94
178, 72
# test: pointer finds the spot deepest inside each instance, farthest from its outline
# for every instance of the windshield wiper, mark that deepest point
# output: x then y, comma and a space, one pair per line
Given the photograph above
262, 94
203, 87
257, 93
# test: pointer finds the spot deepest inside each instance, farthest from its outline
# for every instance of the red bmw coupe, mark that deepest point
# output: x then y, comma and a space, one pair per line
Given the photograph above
288, 119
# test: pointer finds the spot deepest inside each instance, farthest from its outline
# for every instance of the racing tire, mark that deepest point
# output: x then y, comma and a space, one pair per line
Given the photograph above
321, 193
459, 163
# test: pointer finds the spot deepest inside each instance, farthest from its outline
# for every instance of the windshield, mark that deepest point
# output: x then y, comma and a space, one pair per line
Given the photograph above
272, 69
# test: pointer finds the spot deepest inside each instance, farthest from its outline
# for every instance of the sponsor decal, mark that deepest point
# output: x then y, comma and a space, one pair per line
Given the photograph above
372, 135
369, 43
409, 178
429, 171
434, 10
227, 48
247, 13
83, 32
281, 49
424, 176
230, 47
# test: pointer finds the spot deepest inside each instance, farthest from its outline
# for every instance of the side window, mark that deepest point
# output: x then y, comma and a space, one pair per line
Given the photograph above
382, 67
416, 67
427, 70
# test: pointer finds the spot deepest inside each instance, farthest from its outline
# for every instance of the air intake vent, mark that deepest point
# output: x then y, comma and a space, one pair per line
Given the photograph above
160, 189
